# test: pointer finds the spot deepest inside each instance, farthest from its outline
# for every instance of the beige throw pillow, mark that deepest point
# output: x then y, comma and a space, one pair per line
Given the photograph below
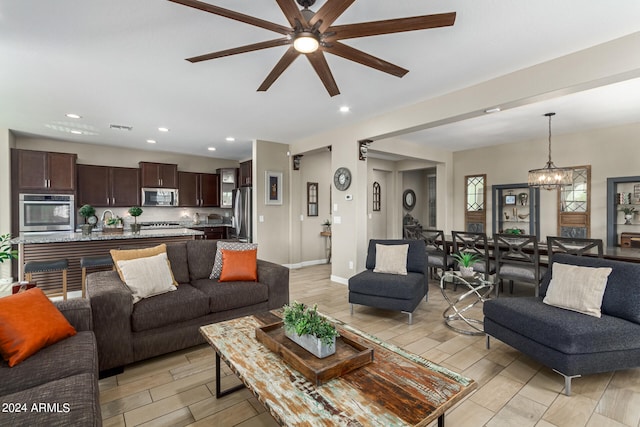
129, 254
577, 288
391, 259
147, 276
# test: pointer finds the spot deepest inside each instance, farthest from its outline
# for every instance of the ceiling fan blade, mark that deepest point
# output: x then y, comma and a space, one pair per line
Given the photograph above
329, 12
242, 49
352, 54
291, 11
251, 20
286, 60
390, 26
319, 63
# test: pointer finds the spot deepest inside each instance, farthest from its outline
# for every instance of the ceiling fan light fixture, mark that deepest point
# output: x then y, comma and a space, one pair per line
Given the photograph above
306, 42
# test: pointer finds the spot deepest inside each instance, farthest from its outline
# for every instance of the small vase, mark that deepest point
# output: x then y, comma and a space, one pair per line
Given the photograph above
86, 229
466, 271
627, 219
312, 344
135, 228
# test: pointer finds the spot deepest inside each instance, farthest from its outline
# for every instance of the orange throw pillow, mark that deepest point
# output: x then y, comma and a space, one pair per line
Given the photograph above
28, 323
239, 266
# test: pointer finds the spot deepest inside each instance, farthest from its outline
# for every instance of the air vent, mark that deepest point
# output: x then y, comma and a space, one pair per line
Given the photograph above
121, 127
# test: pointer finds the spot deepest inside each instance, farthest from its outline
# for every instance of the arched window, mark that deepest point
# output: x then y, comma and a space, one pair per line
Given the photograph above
376, 196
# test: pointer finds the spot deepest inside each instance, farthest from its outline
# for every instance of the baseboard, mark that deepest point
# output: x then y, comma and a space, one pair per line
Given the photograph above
340, 280
305, 264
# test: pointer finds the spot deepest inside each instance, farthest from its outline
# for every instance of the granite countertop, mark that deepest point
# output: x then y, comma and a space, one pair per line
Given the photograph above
59, 237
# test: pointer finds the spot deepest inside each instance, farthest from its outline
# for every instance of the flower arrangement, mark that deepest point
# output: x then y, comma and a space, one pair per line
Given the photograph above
628, 210
306, 321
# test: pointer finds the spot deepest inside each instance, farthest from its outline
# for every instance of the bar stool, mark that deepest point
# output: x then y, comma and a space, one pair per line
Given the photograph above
46, 266
93, 262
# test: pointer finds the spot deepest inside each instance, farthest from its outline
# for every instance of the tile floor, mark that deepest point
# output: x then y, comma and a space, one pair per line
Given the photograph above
179, 389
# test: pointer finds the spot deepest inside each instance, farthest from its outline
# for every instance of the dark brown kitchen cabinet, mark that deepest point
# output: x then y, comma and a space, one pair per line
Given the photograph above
159, 175
45, 171
108, 186
198, 189
246, 173
213, 233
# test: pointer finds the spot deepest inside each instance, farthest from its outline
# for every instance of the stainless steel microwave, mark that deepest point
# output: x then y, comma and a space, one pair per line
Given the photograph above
159, 197
46, 212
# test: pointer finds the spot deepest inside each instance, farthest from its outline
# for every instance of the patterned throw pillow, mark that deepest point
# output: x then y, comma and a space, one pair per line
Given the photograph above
232, 246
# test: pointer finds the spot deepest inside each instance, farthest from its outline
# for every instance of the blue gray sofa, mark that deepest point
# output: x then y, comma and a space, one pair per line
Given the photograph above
571, 343
392, 291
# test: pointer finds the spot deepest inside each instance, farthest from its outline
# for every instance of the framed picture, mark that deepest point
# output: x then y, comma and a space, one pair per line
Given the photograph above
510, 199
273, 188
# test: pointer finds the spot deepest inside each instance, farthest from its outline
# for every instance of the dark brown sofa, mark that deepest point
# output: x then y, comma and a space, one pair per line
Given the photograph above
127, 332
57, 386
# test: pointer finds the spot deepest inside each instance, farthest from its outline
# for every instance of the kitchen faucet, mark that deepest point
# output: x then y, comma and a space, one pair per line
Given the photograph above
102, 217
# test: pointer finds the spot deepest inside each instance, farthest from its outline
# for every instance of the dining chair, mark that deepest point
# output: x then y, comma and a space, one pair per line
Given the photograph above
574, 246
476, 243
438, 257
517, 260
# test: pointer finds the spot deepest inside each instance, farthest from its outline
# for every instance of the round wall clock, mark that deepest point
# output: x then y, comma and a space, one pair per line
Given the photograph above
93, 220
342, 178
409, 199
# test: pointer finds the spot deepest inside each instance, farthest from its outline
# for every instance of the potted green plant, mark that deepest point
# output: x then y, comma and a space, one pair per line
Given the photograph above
86, 211
629, 211
6, 253
465, 261
135, 212
304, 326
327, 225
113, 225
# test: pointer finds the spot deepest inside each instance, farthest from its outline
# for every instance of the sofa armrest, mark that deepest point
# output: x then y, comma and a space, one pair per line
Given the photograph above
78, 312
276, 277
111, 305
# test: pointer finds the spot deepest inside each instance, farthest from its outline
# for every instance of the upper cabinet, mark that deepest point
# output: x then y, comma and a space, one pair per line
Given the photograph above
246, 173
45, 171
227, 185
108, 186
159, 175
198, 189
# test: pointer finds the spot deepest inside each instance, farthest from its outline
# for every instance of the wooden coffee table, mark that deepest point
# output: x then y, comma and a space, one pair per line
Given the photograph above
397, 389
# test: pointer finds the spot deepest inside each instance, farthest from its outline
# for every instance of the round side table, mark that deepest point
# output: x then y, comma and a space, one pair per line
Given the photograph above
477, 290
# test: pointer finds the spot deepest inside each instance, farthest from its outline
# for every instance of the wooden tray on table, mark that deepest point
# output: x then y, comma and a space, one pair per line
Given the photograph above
349, 354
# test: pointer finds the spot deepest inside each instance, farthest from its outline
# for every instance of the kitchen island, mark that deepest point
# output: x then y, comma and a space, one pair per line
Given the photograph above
73, 246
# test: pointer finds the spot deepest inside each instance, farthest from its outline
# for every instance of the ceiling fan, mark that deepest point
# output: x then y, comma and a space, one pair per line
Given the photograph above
312, 33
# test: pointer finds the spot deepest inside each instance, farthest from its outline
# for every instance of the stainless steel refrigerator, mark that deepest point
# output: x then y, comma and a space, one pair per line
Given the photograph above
242, 214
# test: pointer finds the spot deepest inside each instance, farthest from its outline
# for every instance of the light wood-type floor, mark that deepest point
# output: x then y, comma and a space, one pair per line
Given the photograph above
179, 389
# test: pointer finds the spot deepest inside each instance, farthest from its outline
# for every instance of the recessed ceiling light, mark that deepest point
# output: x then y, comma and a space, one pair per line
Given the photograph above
163, 129
73, 116
492, 110
230, 139
211, 148
151, 141
76, 132
344, 109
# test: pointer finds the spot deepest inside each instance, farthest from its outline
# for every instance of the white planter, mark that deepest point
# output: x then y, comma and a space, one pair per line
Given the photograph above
312, 344
5, 286
466, 271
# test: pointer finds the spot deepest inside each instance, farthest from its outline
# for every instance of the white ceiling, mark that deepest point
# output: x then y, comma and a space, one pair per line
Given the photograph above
122, 62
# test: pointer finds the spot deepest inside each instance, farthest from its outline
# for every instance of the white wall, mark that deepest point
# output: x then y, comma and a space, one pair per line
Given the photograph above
7, 141
611, 152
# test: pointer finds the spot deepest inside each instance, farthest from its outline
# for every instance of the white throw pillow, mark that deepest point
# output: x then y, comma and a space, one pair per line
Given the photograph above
391, 259
232, 246
577, 288
147, 276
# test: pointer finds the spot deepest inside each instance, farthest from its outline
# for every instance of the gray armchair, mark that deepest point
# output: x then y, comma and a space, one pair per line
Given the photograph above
392, 291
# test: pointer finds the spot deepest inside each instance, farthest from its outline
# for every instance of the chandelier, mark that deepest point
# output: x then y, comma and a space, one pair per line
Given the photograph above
550, 176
